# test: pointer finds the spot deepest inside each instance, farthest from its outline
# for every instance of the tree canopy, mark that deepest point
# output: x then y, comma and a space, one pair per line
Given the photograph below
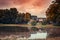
53, 13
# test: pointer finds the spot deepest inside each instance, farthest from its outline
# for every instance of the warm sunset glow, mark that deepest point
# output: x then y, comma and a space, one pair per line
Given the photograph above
35, 7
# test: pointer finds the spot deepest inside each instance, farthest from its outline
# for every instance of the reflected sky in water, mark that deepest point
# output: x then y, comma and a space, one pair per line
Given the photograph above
38, 35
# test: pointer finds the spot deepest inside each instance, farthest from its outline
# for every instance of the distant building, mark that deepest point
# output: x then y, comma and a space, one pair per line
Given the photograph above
41, 19
34, 17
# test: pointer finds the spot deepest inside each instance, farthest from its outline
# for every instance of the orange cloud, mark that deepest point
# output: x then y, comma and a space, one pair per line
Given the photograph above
32, 6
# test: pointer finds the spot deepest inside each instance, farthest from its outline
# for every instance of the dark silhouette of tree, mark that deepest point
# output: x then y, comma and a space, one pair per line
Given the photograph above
12, 16
53, 12
57, 1
8, 16
20, 18
23, 18
1, 15
27, 17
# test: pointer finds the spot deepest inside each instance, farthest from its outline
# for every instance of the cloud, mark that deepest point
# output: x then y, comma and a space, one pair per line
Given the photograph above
25, 3
5, 3
32, 6
36, 3
19, 2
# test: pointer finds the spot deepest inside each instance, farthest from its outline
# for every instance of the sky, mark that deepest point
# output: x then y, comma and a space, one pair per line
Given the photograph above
35, 7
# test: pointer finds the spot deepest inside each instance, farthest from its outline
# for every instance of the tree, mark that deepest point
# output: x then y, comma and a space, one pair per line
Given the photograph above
27, 17
8, 16
20, 18
57, 1
53, 13
33, 23
13, 14
1, 15
4, 16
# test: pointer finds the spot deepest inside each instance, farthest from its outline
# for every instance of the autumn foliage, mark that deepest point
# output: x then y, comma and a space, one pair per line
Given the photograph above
53, 12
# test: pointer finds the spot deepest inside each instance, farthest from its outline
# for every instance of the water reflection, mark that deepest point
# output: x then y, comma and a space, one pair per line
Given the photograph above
38, 35
16, 34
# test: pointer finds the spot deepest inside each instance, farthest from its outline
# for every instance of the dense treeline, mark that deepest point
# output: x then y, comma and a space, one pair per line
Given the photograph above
12, 16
